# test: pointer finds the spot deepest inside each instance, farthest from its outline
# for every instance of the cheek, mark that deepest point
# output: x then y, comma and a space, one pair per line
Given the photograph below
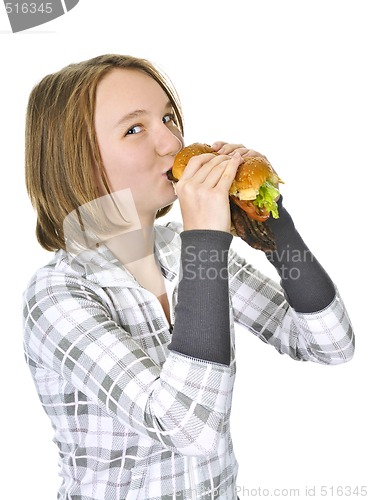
119, 173
179, 136
117, 164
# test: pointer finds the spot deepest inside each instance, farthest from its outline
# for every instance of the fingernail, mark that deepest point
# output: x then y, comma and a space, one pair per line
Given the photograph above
221, 150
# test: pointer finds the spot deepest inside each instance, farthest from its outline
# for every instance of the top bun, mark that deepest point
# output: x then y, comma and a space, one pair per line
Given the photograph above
250, 176
183, 157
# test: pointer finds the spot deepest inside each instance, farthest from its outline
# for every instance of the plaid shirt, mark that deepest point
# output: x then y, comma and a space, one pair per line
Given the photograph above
132, 419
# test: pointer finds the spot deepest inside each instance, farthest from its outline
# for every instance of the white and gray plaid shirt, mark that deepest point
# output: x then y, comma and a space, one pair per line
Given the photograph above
132, 419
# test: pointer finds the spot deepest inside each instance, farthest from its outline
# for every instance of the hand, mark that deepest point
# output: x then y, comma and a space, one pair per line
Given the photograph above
231, 149
203, 191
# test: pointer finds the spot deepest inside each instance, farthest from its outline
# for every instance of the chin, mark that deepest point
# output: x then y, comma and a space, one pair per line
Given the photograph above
167, 203
169, 196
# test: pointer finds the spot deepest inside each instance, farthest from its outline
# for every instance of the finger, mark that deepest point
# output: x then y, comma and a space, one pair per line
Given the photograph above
241, 151
229, 172
195, 164
208, 171
252, 152
222, 174
217, 145
230, 148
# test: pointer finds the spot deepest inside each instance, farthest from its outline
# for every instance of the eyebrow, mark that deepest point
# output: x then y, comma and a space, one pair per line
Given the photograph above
137, 113
130, 116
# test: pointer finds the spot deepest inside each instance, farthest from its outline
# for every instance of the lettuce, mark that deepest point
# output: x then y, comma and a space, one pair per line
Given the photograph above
266, 198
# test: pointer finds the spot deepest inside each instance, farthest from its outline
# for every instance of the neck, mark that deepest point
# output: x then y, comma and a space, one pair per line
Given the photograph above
131, 246
135, 250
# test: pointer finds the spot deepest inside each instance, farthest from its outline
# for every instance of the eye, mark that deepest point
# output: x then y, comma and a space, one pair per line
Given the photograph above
134, 130
170, 117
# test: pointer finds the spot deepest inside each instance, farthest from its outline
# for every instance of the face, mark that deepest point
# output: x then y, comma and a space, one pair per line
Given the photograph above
138, 137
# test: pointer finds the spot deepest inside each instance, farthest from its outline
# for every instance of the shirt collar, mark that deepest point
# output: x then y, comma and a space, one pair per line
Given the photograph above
168, 250
101, 266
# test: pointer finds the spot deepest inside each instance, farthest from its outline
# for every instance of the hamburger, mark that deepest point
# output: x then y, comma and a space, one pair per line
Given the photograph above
253, 195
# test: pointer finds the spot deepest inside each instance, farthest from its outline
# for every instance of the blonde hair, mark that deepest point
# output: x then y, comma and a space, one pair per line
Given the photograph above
61, 150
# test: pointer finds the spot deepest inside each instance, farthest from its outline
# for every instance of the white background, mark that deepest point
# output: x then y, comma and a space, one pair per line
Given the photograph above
287, 78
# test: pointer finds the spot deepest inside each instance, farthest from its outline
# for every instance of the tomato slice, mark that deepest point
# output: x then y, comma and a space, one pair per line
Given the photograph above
254, 212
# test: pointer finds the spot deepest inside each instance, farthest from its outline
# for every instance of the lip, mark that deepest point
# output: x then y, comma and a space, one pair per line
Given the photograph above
170, 176
167, 170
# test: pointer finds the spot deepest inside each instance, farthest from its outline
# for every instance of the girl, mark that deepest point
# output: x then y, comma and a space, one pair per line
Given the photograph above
128, 331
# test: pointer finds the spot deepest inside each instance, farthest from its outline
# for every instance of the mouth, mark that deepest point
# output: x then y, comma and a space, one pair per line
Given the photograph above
170, 176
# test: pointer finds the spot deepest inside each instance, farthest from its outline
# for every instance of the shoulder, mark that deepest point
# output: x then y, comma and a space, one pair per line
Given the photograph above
42, 272
62, 272
54, 266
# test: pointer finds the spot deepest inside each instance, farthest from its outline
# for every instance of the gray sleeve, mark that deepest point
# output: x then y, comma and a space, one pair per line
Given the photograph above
307, 286
202, 323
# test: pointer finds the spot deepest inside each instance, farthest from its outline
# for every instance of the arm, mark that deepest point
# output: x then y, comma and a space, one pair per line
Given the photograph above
202, 326
304, 317
73, 330
306, 285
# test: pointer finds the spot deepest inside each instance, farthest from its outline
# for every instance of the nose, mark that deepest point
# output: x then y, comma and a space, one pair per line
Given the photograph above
168, 141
